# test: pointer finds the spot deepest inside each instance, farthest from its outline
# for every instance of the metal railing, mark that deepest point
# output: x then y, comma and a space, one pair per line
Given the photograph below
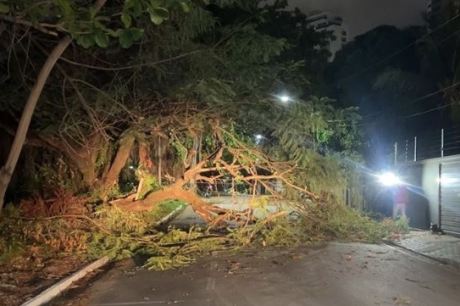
431, 144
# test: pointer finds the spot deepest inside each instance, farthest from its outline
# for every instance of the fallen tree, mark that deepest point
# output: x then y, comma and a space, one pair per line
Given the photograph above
223, 156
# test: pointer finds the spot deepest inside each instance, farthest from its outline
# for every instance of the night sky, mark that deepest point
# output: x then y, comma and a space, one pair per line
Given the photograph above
364, 15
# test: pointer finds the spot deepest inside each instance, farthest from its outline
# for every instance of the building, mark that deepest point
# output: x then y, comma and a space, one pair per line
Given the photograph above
327, 22
429, 167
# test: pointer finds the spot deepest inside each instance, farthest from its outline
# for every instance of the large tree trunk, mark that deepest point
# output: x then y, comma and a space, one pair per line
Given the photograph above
124, 150
85, 157
144, 170
174, 192
7, 170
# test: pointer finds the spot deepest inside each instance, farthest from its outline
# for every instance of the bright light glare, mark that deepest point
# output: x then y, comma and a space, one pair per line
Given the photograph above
389, 179
259, 137
285, 98
445, 180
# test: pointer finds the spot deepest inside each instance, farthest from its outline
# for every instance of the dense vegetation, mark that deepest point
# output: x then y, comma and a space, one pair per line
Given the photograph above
159, 100
164, 96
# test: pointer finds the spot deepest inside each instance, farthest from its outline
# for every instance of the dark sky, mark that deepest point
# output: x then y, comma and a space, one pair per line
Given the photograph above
364, 15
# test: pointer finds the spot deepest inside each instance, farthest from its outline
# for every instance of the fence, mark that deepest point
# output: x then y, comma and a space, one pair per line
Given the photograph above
430, 144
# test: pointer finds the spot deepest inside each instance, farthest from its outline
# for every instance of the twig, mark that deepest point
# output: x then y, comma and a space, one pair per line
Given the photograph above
148, 64
37, 26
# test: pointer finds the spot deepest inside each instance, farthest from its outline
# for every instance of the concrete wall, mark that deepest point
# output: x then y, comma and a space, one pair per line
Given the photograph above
423, 177
430, 187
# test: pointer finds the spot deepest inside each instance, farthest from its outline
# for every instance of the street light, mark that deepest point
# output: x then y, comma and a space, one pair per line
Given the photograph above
285, 98
389, 179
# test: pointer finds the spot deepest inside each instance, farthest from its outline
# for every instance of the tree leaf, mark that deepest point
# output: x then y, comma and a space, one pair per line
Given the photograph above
161, 11
158, 15
155, 3
86, 41
101, 39
185, 6
135, 7
127, 37
4, 8
126, 19
156, 19
136, 33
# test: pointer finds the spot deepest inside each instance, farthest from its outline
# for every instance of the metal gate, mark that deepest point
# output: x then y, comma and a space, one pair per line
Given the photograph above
449, 196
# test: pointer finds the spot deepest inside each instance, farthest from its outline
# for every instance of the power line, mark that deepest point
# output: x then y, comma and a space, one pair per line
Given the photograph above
396, 53
431, 110
433, 93
421, 99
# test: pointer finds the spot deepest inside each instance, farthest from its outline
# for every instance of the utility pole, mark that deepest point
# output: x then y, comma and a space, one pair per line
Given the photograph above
442, 142
396, 153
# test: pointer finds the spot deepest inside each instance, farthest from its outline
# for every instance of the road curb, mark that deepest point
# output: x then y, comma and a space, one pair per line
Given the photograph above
61, 286
171, 215
52, 292
394, 244
443, 261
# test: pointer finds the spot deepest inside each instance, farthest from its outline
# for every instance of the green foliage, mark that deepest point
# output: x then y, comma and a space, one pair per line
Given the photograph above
10, 250
127, 37
180, 150
114, 246
121, 235
91, 28
228, 67
137, 224
162, 262
128, 232
283, 233
227, 70
4, 8
165, 208
337, 221
149, 184
12, 242
398, 226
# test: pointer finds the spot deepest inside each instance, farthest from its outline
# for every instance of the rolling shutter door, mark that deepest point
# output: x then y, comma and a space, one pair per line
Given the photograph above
450, 197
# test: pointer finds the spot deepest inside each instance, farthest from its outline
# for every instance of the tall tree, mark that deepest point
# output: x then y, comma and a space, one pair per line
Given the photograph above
74, 20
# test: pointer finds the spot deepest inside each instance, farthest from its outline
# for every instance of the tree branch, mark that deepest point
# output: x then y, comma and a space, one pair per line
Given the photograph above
134, 66
38, 26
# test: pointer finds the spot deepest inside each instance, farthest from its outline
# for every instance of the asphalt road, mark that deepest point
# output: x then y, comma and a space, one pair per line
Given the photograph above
336, 274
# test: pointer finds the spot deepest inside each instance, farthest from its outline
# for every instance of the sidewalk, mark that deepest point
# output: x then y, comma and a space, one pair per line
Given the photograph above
443, 248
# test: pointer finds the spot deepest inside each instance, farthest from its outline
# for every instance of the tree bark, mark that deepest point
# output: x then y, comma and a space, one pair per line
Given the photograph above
145, 168
124, 150
159, 161
7, 170
173, 192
